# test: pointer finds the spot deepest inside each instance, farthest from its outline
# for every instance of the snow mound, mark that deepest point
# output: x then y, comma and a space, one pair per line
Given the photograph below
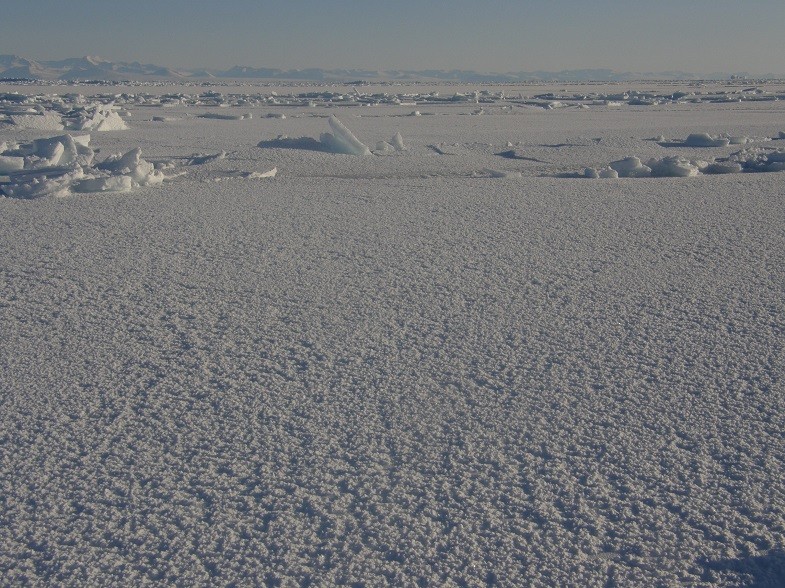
499, 173
724, 167
605, 172
218, 116
200, 158
342, 140
245, 175
706, 140
58, 166
673, 167
394, 145
104, 184
758, 159
630, 167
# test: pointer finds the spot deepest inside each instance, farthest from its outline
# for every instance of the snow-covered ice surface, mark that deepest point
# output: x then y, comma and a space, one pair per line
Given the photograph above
439, 365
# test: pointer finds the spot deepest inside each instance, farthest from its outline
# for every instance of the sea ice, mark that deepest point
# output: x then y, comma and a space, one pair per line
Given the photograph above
40, 122
342, 140
98, 117
397, 142
42, 185
706, 140
676, 167
132, 165
630, 167
218, 116
9, 163
725, 167
56, 166
104, 184
199, 159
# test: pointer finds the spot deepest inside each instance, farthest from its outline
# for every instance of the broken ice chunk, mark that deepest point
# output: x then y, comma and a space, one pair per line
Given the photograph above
41, 185
397, 142
383, 147
343, 140
131, 164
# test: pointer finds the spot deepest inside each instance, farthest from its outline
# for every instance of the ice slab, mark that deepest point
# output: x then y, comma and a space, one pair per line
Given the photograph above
10, 164
40, 122
397, 142
342, 140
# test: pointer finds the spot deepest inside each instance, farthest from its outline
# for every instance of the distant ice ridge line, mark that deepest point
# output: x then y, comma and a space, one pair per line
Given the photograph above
96, 68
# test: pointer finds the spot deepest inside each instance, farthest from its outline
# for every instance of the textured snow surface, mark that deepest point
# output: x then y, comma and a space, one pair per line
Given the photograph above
439, 367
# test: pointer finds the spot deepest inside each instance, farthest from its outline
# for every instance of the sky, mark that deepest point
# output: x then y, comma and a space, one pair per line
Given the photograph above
699, 36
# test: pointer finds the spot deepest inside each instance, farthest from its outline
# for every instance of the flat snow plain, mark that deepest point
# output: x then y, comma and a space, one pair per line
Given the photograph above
398, 369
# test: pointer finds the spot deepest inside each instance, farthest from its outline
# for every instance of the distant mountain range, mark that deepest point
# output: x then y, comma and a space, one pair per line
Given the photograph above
95, 68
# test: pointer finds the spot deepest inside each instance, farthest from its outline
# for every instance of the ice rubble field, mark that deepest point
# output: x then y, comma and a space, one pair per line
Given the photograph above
455, 361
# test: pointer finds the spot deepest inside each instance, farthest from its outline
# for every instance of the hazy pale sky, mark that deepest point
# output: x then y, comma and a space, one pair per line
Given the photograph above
700, 36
